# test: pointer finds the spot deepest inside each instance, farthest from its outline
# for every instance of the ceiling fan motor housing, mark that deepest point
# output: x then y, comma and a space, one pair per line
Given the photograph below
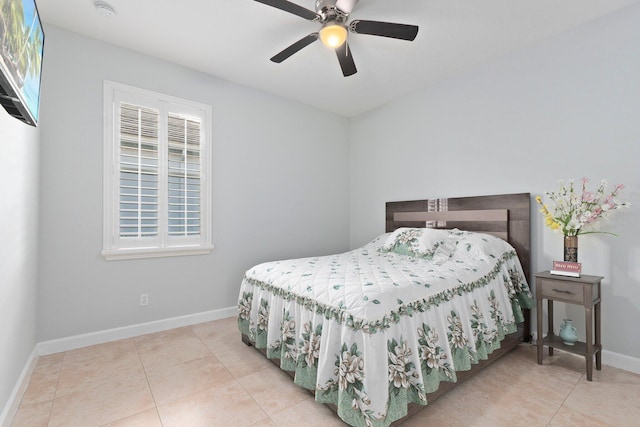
329, 12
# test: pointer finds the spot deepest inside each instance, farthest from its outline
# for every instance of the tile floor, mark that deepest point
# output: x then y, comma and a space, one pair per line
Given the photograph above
203, 376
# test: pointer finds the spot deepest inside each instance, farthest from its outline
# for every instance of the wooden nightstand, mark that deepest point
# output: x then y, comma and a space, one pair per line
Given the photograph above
584, 291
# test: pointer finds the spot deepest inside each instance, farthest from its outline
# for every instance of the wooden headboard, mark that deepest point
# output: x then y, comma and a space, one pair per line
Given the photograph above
507, 216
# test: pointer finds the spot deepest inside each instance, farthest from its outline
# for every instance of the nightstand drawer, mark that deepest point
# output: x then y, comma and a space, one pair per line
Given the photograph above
562, 290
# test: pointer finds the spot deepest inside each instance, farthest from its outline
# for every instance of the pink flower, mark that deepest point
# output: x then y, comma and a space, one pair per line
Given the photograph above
587, 196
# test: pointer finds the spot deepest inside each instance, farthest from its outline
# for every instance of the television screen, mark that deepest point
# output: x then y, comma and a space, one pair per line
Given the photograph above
21, 48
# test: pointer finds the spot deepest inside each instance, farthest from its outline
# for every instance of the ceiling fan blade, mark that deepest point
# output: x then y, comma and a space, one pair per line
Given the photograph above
346, 5
384, 29
300, 44
287, 6
346, 60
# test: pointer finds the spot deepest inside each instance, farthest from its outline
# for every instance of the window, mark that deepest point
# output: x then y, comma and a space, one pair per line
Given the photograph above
156, 174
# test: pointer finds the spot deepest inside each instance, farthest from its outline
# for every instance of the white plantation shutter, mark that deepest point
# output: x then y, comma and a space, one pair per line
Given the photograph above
157, 178
138, 171
184, 176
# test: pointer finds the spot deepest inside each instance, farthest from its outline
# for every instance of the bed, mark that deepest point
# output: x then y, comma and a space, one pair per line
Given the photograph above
379, 332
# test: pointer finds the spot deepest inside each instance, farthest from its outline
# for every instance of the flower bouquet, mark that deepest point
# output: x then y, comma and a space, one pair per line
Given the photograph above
575, 211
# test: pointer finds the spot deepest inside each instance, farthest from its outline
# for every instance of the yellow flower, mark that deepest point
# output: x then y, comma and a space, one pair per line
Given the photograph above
545, 210
550, 222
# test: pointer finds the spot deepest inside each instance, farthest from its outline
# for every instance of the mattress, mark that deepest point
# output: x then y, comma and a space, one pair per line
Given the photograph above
376, 328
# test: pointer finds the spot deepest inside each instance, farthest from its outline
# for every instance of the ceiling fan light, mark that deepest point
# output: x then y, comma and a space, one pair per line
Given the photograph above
333, 35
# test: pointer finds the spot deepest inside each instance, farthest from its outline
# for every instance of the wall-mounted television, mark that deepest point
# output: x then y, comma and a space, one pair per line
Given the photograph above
21, 48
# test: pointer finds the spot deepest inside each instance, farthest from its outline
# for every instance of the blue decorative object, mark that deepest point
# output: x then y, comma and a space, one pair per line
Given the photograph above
568, 332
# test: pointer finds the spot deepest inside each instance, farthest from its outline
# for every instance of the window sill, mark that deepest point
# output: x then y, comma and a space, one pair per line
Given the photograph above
140, 253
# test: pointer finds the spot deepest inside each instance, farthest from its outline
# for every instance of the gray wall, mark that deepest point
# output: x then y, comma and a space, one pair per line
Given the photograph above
278, 191
19, 159
565, 108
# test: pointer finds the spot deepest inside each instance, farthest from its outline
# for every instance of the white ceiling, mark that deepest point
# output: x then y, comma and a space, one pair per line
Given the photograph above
234, 39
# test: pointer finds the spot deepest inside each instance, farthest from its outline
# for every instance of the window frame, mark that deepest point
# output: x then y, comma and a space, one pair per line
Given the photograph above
163, 245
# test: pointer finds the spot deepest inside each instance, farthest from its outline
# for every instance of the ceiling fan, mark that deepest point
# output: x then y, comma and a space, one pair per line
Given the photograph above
333, 15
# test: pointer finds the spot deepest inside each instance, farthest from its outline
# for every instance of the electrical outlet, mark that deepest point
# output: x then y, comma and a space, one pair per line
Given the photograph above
144, 300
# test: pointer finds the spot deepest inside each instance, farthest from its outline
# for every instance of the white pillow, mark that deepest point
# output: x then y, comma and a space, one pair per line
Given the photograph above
478, 245
427, 243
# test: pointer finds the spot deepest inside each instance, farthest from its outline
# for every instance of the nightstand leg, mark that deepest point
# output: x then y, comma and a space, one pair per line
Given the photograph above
539, 329
550, 322
598, 342
589, 337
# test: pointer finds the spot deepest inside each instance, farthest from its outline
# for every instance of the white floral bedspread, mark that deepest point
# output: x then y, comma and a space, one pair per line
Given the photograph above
371, 331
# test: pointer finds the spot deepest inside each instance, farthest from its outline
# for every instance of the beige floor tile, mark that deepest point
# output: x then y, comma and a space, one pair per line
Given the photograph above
226, 405
220, 335
487, 399
612, 397
115, 352
148, 418
41, 388
434, 416
34, 415
170, 347
172, 382
505, 398
244, 361
111, 399
567, 417
50, 362
474, 397
510, 406
308, 413
274, 390
264, 423
98, 366
98, 376
44, 379
521, 371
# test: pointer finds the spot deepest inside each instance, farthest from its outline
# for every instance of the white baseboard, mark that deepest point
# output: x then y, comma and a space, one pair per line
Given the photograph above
11, 407
621, 361
93, 338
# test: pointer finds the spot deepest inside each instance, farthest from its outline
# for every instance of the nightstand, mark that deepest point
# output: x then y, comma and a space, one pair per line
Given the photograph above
584, 291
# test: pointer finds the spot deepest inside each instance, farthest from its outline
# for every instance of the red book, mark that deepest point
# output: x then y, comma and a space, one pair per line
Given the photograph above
566, 268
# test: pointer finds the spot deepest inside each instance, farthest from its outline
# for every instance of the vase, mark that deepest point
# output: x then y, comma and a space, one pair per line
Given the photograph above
568, 332
571, 248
